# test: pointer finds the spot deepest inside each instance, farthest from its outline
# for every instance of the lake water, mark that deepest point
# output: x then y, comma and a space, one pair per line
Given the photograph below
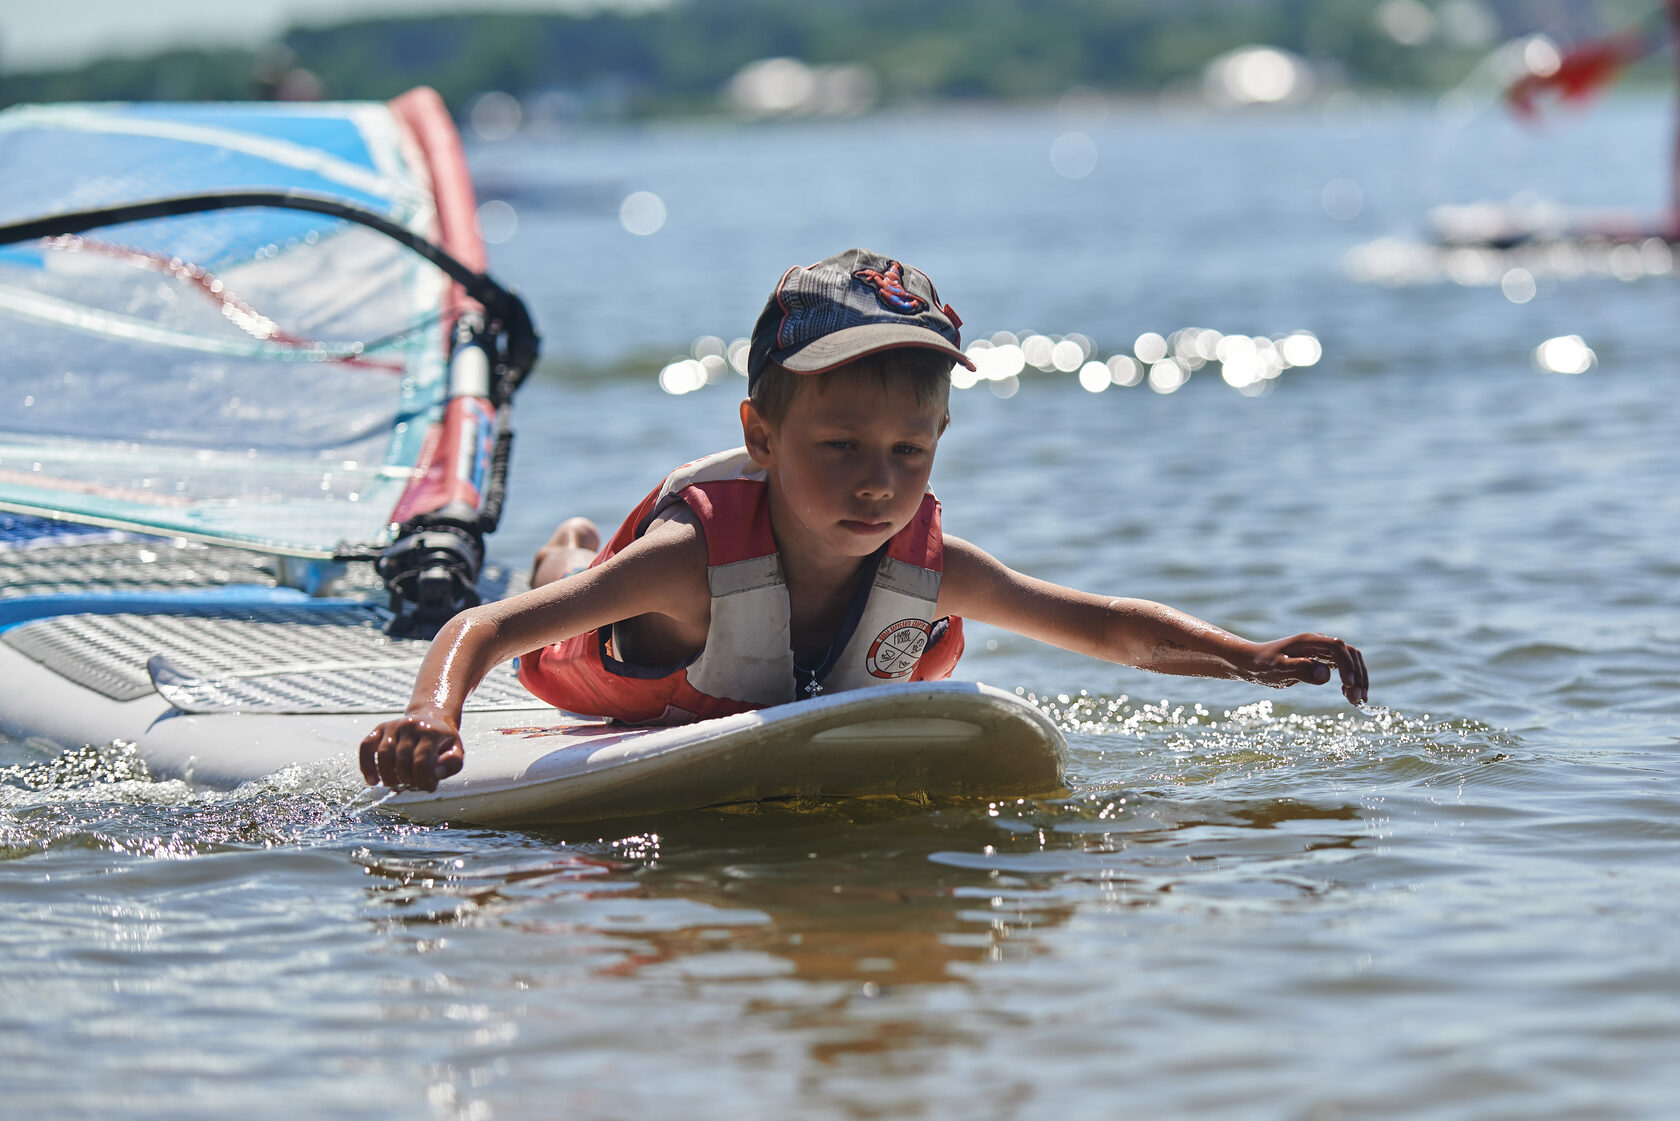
1461, 903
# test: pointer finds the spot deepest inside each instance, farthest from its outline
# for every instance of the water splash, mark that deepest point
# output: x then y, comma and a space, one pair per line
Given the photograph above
104, 798
1263, 734
90, 766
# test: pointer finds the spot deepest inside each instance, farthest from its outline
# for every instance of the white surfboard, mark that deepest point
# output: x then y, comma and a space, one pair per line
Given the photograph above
227, 696
937, 740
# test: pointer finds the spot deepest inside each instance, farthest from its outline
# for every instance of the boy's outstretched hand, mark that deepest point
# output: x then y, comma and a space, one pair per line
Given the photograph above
1309, 658
415, 751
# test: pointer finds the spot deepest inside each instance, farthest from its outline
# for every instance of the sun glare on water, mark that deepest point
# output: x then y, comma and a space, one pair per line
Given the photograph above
1250, 364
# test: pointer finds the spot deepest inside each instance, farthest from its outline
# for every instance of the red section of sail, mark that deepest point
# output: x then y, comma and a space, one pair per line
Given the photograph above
454, 447
454, 461
423, 113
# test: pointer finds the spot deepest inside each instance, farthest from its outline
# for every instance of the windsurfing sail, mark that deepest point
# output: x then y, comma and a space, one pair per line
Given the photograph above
255, 368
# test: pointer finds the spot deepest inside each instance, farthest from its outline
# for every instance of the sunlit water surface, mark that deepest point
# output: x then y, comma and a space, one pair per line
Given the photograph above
1461, 903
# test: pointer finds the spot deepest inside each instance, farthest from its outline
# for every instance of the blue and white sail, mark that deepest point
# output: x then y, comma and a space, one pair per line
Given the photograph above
260, 376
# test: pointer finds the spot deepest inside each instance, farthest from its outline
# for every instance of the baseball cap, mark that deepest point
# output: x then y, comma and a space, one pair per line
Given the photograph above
846, 306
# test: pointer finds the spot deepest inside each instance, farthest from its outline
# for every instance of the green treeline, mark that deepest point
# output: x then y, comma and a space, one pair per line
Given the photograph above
677, 59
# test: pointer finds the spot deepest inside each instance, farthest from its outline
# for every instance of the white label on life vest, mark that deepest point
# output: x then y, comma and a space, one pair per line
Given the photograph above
897, 649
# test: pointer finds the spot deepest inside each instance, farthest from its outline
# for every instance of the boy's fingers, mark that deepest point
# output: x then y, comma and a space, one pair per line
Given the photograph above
449, 762
1325, 652
1350, 663
1301, 669
1357, 685
422, 770
436, 757
396, 766
370, 743
381, 755
408, 754
1313, 672
384, 758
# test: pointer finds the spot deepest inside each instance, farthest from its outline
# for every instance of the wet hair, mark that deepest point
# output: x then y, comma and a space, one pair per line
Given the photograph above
927, 373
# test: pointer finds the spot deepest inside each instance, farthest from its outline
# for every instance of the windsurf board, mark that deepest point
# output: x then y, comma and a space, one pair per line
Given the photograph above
222, 695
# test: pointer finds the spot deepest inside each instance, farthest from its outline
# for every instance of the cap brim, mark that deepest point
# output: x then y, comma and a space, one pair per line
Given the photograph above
840, 347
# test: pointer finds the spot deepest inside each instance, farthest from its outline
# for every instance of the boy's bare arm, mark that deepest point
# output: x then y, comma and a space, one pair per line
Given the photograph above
663, 572
1136, 632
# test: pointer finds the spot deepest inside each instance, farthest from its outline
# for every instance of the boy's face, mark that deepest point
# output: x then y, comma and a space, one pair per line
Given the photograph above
848, 463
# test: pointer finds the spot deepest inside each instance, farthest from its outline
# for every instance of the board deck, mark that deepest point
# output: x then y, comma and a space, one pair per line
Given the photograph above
224, 696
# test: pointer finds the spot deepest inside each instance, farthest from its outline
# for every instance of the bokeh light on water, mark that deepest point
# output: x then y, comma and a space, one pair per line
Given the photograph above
497, 221
1343, 199
1257, 75
642, 213
789, 87
495, 116
1566, 354
1073, 155
1518, 285
1166, 363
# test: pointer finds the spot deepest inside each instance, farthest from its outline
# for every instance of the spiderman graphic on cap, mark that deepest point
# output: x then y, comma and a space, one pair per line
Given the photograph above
890, 290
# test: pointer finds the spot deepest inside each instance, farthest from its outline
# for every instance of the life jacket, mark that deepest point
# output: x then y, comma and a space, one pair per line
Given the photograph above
889, 632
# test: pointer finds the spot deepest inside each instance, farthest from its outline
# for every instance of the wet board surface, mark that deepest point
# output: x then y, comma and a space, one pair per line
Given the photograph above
226, 695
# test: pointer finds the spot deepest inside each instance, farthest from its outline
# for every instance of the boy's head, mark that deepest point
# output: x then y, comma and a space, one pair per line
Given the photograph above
851, 306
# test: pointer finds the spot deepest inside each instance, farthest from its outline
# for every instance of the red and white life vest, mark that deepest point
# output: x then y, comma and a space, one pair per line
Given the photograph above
890, 633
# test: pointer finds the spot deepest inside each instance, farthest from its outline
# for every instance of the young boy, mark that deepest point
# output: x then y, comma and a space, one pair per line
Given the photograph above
809, 561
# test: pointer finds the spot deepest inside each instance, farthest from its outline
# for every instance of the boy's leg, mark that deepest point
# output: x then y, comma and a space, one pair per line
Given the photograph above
573, 546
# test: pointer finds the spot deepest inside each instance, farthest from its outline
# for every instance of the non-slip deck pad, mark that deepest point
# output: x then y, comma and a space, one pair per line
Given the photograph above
134, 565
41, 558
306, 659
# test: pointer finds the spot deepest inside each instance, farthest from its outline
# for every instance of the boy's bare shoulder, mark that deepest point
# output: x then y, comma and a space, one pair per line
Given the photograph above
970, 572
678, 515
662, 571
673, 542
977, 585
964, 559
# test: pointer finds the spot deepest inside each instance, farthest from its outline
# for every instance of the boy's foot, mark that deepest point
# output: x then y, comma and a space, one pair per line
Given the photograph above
573, 546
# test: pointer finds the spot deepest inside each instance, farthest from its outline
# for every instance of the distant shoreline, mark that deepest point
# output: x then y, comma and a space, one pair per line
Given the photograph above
700, 59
